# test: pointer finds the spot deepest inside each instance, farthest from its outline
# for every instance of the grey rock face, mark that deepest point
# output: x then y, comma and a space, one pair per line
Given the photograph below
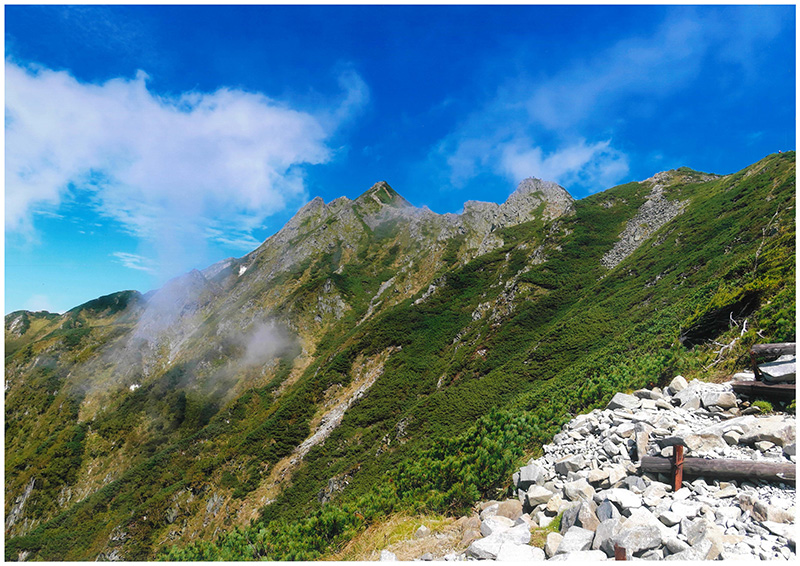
578, 490
552, 543
678, 384
624, 401
537, 495
639, 538
569, 464
530, 475
575, 539
607, 510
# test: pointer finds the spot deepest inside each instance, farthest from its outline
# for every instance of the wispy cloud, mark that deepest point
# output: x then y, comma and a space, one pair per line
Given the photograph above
135, 261
579, 163
562, 126
166, 168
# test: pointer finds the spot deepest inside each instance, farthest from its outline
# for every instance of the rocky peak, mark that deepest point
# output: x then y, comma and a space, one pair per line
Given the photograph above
521, 205
531, 192
384, 195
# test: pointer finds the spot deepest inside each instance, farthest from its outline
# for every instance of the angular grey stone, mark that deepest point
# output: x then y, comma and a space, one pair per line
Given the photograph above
678, 384
616, 473
731, 437
764, 445
690, 402
661, 404
727, 515
609, 447
568, 464
490, 510
519, 534
554, 504
387, 556
485, 548
537, 495
705, 443
626, 430
669, 518
587, 517
716, 398
634, 483
696, 532
675, 545
576, 538
530, 475
638, 538
597, 476
782, 370
552, 543
569, 517
578, 490
642, 438
782, 530
422, 532
604, 536
623, 498
607, 510
685, 509
777, 429
494, 524
519, 553
623, 401
543, 520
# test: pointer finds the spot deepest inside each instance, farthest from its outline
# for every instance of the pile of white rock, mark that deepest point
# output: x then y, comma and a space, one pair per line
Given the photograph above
591, 478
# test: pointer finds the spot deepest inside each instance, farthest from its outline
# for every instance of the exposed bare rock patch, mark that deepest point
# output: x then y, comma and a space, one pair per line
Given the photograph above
653, 214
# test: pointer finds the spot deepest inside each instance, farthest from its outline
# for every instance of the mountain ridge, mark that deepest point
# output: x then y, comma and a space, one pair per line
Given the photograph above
208, 386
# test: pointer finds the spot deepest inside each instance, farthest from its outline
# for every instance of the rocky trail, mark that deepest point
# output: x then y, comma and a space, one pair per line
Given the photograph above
588, 493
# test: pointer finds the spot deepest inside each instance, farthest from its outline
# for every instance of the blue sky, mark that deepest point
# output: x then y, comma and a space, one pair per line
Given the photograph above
145, 141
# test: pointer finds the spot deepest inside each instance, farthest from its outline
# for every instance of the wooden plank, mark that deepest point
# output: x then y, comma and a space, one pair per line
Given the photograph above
724, 468
783, 391
778, 349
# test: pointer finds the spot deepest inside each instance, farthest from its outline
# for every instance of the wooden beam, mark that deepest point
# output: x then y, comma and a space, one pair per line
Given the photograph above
778, 349
782, 391
724, 469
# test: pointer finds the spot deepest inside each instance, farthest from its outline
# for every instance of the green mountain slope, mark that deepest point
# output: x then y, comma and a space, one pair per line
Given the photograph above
372, 357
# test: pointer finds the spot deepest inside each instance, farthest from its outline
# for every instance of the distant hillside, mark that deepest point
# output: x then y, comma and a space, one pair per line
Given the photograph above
373, 357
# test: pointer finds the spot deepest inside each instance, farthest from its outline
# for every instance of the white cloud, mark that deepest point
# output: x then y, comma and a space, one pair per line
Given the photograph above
597, 164
167, 168
135, 261
561, 127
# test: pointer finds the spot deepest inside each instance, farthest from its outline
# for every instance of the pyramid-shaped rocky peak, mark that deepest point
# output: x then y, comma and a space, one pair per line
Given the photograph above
532, 192
384, 195
547, 190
